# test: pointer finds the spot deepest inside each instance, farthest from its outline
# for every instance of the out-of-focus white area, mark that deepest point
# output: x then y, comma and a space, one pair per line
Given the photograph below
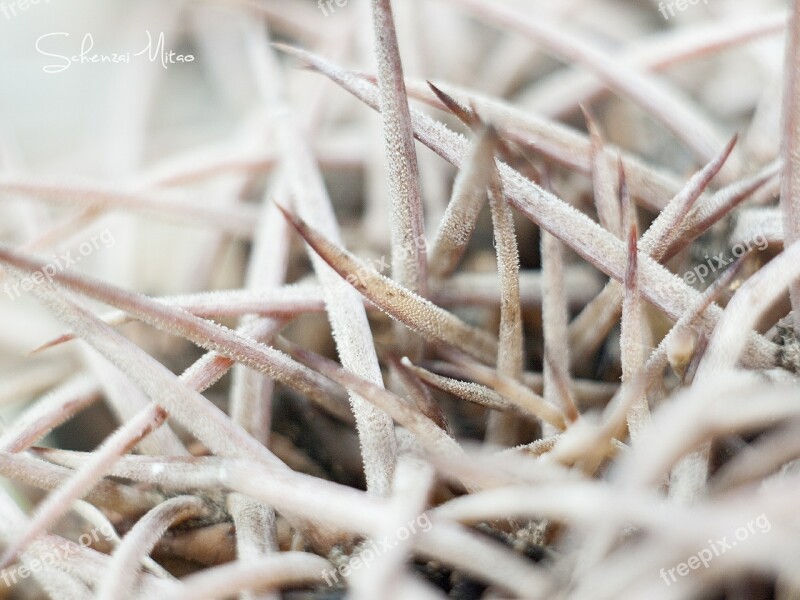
104, 118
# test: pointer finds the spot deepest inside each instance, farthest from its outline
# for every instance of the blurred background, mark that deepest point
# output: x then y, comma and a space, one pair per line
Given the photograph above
105, 147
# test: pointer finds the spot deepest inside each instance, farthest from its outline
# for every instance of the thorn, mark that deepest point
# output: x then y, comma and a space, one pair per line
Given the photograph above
294, 52
62, 339
465, 115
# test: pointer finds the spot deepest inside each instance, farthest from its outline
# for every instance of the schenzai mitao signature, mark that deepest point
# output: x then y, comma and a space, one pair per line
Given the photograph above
154, 53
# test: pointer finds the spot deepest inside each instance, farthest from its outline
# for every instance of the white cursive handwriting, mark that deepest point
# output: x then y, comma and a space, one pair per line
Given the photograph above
86, 56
